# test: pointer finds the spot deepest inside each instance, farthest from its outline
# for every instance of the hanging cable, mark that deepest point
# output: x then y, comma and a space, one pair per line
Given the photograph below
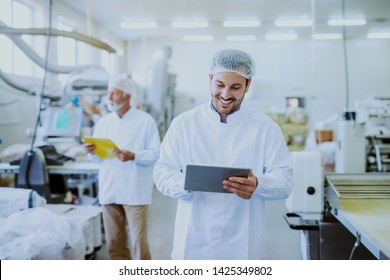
30, 154
345, 60
37, 123
355, 246
313, 32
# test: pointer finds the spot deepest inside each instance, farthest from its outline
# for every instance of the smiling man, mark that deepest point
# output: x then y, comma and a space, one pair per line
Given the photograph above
224, 132
125, 180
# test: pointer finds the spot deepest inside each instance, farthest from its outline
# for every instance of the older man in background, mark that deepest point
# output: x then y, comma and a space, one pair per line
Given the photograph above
125, 180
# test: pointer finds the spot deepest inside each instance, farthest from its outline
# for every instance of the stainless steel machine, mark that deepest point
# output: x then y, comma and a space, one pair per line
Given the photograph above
340, 216
374, 114
361, 202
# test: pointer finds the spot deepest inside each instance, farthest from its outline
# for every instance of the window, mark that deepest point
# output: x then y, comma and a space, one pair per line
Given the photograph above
6, 12
6, 61
66, 47
12, 59
109, 61
67, 51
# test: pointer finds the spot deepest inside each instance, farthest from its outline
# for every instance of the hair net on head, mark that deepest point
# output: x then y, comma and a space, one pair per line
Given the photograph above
230, 60
125, 84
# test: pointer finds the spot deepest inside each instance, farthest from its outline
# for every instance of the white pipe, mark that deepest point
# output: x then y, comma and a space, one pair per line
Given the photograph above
58, 69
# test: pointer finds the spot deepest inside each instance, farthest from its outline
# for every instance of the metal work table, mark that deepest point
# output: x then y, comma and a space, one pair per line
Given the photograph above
67, 168
361, 202
85, 175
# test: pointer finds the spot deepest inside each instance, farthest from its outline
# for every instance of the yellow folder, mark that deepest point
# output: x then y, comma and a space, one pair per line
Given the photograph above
104, 146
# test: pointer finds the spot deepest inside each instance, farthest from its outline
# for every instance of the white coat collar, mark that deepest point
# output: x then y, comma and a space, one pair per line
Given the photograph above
126, 115
232, 118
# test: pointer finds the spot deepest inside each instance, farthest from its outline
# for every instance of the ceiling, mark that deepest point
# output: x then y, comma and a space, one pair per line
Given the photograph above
111, 13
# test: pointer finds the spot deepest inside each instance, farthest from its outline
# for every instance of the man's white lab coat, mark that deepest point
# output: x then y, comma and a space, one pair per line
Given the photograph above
130, 182
219, 225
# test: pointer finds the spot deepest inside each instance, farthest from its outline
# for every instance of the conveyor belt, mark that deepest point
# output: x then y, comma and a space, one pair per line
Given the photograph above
358, 191
361, 202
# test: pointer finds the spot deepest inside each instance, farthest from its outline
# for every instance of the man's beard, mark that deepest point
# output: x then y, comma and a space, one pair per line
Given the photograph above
112, 107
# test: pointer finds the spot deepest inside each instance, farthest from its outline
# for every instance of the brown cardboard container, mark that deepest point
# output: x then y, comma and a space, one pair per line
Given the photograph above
324, 135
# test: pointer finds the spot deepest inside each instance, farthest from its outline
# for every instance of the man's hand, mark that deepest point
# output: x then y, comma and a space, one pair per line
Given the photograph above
241, 186
89, 147
123, 155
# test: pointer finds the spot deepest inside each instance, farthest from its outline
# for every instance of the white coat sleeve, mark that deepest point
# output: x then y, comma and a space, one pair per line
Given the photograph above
94, 158
150, 153
276, 180
168, 174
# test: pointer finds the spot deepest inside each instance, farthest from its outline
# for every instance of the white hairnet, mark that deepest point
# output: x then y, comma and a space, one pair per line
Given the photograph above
125, 84
230, 60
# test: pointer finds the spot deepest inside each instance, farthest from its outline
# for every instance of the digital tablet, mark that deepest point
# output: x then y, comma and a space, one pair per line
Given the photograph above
209, 178
104, 146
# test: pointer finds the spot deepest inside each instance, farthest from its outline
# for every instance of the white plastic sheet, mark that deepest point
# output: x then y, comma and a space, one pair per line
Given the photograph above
38, 233
17, 199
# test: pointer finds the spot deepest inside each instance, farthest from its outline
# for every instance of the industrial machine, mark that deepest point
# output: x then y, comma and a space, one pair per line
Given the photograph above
160, 88
374, 113
91, 81
361, 202
33, 173
363, 137
339, 215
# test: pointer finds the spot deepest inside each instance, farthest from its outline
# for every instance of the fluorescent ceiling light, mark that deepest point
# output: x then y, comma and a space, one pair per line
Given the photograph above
198, 38
383, 35
241, 38
327, 36
293, 22
281, 37
241, 23
189, 24
139, 24
338, 22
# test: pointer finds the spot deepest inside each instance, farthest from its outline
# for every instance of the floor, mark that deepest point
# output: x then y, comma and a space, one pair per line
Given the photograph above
282, 242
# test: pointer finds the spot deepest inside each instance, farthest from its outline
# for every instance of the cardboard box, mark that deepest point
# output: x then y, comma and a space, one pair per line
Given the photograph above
324, 135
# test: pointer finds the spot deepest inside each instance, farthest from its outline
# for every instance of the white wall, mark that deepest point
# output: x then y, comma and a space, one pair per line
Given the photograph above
300, 68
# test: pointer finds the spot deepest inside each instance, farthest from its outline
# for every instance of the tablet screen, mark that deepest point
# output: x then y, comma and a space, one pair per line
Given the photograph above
209, 178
